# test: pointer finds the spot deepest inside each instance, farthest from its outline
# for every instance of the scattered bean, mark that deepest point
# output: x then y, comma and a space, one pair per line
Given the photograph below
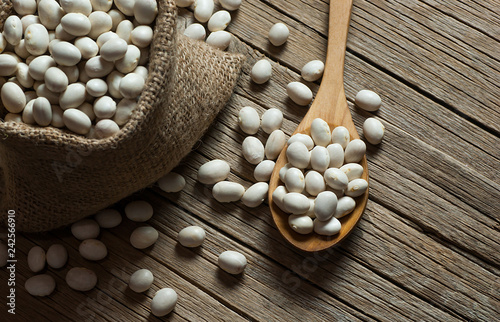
271, 120
232, 262
213, 172
373, 130
313, 70
80, 278
261, 71
203, 10
172, 182
191, 236
108, 218
263, 170
253, 150
163, 302
139, 210
141, 280
219, 39
275, 143
36, 259
299, 93
143, 237
278, 34
195, 31
249, 120
225, 191
230, 4
145, 11
255, 195
40, 285
93, 250
368, 100
85, 229
219, 21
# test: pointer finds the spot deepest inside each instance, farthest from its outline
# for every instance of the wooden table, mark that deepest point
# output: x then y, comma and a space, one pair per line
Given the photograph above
427, 247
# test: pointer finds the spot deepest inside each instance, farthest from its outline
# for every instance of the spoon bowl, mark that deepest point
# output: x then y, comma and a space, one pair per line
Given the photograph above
330, 104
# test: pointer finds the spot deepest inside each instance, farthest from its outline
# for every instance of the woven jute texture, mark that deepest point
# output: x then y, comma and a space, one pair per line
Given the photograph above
51, 177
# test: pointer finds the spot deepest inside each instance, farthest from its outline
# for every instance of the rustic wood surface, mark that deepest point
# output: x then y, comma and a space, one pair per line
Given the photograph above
427, 247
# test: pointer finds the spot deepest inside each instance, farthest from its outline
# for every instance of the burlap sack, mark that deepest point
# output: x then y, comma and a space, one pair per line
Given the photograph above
51, 177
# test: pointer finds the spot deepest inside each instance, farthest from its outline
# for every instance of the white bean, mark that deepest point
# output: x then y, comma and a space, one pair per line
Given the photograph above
76, 24
195, 31
24, 7
40, 285
57, 117
341, 136
131, 85
3, 43
114, 49
57, 256
102, 39
28, 113
104, 107
191, 236
93, 250
66, 54
315, 183
320, 158
313, 70
36, 39
73, 96
163, 302
13, 97
261, 71
225, 191
219, 39
352, 170
124, 30
76, 6
116, 15
23, 76
219, 20
249, 120
88, 109
345, 206
124, 111
96, 87
56, 80
278, 34
141, 36
354, 151
80, 278
283, 170
336, 178
129, 62
320, 132
271, 120
143, 237
141, 70
203, 10
213, 172
141, 280
230, 4
336, 152
294, 180
77, 121
39, 66
36, 259
85, 229
113, 80
62, 34
87, 47
356, 188
21, 51
145, 11
298, 155
12, 117
301, 224
100, 23
126, 6
275, 143
368, 100
50, 13
253, 150
325, 205
327, 228
13, 30
299, 93
278, 195
139, 210
310, 212
304, 138
232, 262
373, 130
172, 182
97, 67
8, 65
255, 195
28, 20
42, 111
103, 5
108, 218
43, 91
263, 170
296, 203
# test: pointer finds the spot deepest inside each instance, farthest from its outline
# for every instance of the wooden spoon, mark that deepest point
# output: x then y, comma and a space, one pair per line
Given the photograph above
330, 104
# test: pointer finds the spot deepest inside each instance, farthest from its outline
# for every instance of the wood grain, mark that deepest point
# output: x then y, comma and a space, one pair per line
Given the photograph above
425, 249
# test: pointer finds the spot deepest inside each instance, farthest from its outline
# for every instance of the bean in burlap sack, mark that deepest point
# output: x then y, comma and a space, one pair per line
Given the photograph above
52, 177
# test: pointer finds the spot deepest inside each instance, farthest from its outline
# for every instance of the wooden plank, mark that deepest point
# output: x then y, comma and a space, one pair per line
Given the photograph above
399, 44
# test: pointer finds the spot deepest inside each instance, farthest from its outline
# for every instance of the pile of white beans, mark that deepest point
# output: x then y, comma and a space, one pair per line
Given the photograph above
75, 64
